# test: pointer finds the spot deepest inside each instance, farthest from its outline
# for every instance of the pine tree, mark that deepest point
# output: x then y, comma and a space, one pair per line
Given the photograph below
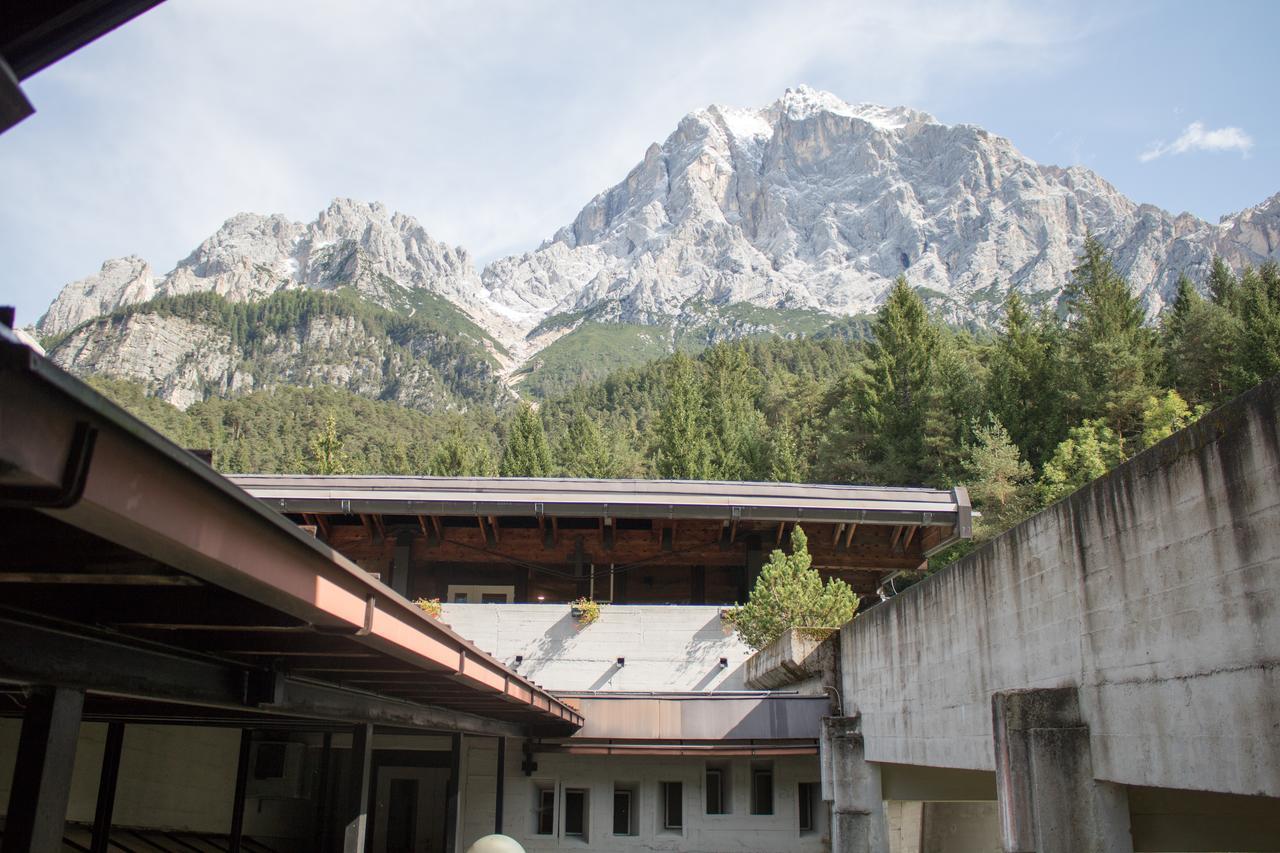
583, 451
458, 456
1258, 357
1198, 340
734, 422
790, 594
1222, 284
683, 451
784, 455
998, 479
1111, 354
526, 452
327, 456
882, 425
1023, 390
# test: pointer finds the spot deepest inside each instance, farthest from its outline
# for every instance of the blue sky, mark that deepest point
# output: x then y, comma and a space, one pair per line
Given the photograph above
493, 123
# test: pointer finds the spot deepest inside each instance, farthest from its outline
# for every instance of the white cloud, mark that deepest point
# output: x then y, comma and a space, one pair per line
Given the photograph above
1197, 137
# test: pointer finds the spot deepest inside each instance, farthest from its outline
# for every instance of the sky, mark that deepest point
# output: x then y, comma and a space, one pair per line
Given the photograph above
494, 123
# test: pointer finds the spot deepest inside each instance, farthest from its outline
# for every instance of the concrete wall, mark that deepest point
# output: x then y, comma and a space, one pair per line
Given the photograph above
739, 831
1155, 591
667, 647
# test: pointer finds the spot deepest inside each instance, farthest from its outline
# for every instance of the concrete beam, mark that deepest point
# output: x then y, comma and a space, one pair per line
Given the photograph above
1049, 801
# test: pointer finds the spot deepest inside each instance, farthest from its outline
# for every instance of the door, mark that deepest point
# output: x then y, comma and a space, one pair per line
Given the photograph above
409, 810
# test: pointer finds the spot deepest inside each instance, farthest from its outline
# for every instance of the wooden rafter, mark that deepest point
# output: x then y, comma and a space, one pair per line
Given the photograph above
848, 536
835, 536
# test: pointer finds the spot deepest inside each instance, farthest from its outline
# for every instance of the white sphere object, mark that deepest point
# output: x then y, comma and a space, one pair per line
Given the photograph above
496, 844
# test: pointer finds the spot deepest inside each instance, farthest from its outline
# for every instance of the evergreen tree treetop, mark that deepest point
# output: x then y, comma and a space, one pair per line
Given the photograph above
526, 452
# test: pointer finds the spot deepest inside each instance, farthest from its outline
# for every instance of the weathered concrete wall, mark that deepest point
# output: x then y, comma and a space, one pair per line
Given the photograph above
1155, 590
666, 647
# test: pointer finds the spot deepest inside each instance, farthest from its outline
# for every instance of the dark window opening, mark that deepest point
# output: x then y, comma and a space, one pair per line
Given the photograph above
762, 789
716, 791
269, 762
624, 812
545, 817
575, 812
806, 795
672, 805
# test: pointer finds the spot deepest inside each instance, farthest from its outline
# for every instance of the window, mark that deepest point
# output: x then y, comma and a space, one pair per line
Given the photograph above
624, 811
761, 788
482, 594
672, 805
544, 818
575, 813
717, 789
806, 795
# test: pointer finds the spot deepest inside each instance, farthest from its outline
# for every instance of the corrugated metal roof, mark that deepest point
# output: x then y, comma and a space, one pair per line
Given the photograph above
615, 498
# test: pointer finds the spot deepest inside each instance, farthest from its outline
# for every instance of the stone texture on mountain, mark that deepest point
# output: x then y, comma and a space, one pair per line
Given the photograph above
184, 360
121, 281
809, 203
384, 257
815, 203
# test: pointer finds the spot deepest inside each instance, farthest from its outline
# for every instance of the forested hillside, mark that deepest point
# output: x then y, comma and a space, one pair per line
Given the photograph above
1022, 416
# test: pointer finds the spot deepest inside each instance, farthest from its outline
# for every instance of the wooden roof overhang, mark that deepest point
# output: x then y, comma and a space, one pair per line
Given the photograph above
858, 530
132, 570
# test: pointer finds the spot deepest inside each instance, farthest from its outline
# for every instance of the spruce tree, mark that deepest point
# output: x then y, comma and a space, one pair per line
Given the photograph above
1258, 357
526, 452
1023, 391
683, 451
886, 418
1198, 340
583, 451
1221, 284
734, 422
459, 456
784, 455
1111, 355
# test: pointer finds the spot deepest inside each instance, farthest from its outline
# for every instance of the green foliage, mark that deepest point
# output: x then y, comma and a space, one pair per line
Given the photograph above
1022, 387
327, 456
789, 593
586, 610
1000, 480
584, 451
1089, 451
683, 451
460, 455
1112, 356
526, 452
1163, 415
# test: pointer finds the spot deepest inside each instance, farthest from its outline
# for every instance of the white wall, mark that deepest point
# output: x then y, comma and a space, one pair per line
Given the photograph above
738, 831
1155, 591
667, 647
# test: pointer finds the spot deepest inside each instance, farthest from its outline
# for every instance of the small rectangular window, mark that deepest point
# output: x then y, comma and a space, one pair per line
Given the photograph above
762, 788
545, 814
575, 812
806, 795
715, 791
624, 811
672, 805
459, 598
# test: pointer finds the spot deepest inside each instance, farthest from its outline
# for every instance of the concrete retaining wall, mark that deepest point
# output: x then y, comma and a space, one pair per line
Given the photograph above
1155, 590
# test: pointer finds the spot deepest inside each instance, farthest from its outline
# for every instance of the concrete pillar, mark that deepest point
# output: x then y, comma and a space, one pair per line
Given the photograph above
852, 785
355, 809
1048, 800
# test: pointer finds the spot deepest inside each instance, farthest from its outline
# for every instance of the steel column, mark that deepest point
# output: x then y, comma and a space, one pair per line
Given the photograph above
242, 783
498, 789
355, 814
451, 795
107, 788
37, 812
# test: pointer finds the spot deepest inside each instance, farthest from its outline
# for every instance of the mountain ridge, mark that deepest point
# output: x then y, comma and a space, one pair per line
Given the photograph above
809, 204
